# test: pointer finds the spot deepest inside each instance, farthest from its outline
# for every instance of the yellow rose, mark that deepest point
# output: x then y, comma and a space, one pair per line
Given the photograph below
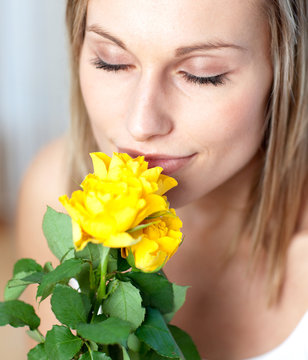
122, 166
117, 197
158, 243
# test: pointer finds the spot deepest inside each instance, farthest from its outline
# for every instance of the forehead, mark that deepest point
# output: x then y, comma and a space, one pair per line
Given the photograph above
174, 22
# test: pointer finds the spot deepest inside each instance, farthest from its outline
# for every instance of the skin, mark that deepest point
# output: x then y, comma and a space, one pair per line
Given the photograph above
151, 108
160, 112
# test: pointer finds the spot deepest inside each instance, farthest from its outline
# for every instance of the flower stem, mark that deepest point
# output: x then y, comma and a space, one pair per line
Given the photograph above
101, 292
90, 350
104, 252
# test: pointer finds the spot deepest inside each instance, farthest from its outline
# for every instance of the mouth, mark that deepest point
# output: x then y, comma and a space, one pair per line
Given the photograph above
170, 164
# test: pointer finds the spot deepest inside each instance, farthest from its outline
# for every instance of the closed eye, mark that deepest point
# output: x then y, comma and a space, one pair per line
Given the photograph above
100, 64
199, 80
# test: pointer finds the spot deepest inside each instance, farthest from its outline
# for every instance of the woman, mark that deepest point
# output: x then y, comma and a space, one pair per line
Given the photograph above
216, 93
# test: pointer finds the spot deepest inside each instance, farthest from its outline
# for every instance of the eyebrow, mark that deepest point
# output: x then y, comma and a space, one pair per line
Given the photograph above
98, 30
206, 46
178, 52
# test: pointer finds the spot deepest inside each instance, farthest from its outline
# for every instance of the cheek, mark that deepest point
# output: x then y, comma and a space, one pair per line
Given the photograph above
241, 123
227, 137
101, 101
233, 123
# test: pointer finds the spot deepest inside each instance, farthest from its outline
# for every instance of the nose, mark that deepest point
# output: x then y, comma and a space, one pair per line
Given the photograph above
148, 109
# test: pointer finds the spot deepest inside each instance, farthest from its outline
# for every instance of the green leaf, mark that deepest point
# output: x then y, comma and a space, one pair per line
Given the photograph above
17, 314
110, 331
16, 286
141, 354
62, 273
34, 278
185, 343
38, 353
125, 303
155, 333
179, 295
133, 343
70, 306
61, 344
57, 229
156, 290
27, 265
91, 253
93, 346
95, 356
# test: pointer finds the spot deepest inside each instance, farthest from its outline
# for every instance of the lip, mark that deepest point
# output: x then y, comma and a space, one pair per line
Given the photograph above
169, 163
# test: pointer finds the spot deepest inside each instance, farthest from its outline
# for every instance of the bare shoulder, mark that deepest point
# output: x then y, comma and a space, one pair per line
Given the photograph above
43, 183
47, 175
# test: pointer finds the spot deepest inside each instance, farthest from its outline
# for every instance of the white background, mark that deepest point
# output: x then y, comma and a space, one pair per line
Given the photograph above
34, 87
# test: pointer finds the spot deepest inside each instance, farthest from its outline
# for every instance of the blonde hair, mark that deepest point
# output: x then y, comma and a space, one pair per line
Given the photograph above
278, 197
278, 193
82, 141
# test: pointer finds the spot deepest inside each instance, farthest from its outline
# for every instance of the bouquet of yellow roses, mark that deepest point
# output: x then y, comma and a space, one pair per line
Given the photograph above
109, 291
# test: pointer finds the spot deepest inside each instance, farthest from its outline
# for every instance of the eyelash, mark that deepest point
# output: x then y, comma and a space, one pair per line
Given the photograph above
100, 64
212, 80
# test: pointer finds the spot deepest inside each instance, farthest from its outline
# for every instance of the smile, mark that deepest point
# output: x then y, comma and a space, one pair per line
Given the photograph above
170, 164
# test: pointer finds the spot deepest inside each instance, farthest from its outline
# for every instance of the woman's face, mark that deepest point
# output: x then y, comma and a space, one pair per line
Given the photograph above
183, 82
